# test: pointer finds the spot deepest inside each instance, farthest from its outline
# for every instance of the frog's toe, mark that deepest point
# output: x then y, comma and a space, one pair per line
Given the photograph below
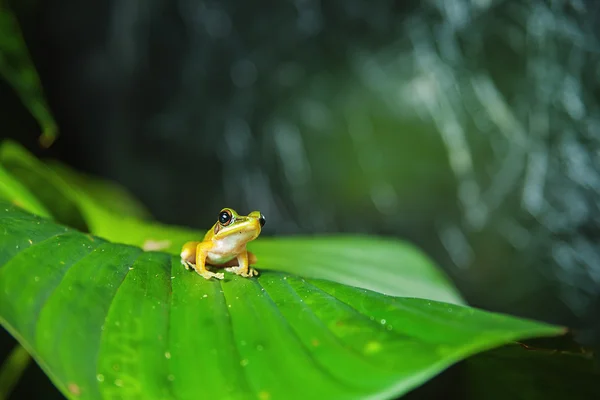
219, 275
235, 270
250, 272
186, 264
208, 275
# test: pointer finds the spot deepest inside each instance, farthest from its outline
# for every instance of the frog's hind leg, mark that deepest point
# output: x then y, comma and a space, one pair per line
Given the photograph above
188, 265
235, 263
251, 258
188, 255
243, 268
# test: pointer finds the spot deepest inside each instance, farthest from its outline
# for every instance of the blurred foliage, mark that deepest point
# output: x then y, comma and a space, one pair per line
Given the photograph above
11, 369
11, 188
16, 67
534, 373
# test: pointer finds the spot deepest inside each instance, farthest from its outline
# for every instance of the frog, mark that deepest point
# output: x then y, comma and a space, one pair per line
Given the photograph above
224, 246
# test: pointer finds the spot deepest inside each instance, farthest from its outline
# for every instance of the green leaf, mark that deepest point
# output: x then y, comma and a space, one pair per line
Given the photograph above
106, 195
18, 70
53, 192
108, 320
383, 265
74, 199
13, 191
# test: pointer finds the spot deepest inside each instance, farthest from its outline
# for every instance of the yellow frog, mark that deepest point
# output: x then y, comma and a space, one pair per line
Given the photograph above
224, 245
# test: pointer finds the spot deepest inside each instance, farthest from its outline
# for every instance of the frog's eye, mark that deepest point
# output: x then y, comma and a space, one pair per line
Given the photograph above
261, 220
225, 217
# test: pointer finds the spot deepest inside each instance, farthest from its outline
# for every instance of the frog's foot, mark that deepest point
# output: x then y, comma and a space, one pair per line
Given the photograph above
188, 265
240, 271
208, 274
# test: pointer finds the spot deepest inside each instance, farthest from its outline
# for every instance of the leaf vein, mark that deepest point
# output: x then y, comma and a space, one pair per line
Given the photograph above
97, 353
306, 350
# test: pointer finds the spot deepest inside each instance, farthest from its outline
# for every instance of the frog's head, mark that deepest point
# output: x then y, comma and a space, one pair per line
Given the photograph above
244, 228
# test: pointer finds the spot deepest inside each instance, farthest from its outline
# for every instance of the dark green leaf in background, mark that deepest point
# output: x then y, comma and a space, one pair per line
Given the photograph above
104, 194
48, 189
13, 190
515, 371
12, 368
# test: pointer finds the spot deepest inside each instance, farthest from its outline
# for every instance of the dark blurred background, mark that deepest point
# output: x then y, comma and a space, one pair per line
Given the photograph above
468, 127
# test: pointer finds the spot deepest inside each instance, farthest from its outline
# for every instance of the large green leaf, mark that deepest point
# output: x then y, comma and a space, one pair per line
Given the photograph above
108, 320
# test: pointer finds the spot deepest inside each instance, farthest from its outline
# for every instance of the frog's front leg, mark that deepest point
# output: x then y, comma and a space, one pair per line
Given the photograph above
200, 266
243, 268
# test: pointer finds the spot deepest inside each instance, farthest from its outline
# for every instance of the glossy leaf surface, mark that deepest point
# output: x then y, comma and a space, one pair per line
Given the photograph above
108, 320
